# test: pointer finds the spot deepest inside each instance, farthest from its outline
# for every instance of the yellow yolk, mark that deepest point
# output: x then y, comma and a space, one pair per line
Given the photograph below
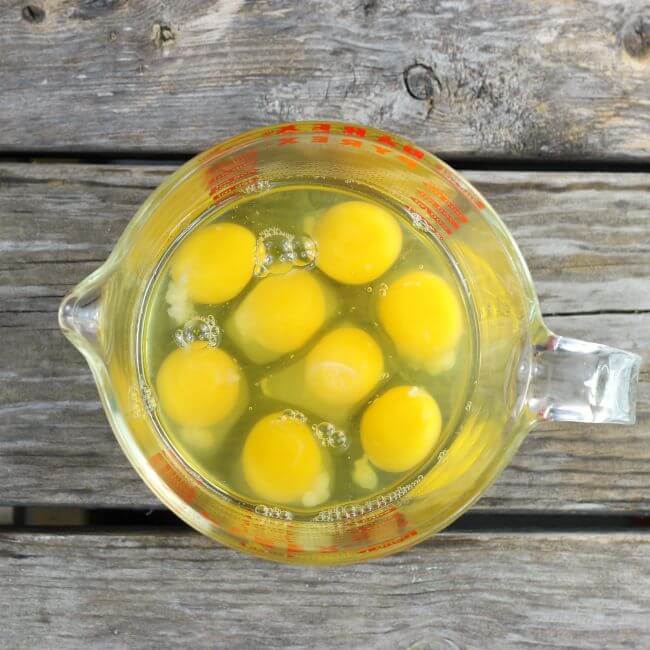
199, 385
400, 428
423, 317
281, 460
279, 315
344, 366
357, 242
215, 262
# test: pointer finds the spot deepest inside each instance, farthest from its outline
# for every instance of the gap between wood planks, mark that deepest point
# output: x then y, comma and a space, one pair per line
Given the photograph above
457, 162
70, 519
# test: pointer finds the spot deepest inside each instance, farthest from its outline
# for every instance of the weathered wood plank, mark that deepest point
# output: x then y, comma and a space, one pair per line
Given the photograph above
503, 78
56, 446
586, 236
57, 222
459, 591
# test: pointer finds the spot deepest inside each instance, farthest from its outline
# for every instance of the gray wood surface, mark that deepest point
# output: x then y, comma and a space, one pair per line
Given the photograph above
507, 78
476, 591
59, 221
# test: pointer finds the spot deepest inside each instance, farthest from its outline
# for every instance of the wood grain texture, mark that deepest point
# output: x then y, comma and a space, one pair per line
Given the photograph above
456, 591
58, 222
506, 78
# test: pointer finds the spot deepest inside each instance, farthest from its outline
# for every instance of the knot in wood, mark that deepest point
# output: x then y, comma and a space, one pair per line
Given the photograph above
636, 37
162, 34
421, 81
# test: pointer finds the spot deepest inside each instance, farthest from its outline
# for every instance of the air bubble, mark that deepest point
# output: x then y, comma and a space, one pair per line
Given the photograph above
293, 414
304, 249
369, 289
199, 328
278, 252
142, 400
258, 186
273, 512
329, 436
148, 399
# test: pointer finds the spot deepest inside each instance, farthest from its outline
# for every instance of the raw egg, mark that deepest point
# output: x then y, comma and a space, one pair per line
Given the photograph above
400, 428
282, 461
340, 369
357, 241
344, 366
215, 263
279, 315
423, 317
199, 385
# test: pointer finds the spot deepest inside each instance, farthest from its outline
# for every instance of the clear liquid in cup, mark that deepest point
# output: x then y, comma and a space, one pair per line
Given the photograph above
308, 349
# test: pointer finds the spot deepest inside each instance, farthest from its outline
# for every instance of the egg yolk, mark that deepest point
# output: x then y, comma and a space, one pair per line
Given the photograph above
400, 428
357, 242
215, 262
344, 366
199, 385
279, 315
281, 460
423, 318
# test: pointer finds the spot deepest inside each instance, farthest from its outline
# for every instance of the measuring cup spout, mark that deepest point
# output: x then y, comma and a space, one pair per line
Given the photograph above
577, 381
80, 314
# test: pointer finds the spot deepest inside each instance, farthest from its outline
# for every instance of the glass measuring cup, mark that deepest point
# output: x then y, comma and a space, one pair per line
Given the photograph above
524, 373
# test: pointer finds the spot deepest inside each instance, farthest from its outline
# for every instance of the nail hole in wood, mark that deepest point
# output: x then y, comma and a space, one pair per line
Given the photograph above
369, 7
33, 14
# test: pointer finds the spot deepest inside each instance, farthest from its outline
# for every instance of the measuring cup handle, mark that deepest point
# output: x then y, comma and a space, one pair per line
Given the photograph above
577, 381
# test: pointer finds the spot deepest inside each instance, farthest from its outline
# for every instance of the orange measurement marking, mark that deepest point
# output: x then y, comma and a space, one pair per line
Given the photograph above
354, 130
411, 164
388, 544
172, 477
386, 139
439, 208
432, 215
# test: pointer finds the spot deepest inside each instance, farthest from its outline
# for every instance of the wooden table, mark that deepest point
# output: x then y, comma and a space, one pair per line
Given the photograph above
545, 105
